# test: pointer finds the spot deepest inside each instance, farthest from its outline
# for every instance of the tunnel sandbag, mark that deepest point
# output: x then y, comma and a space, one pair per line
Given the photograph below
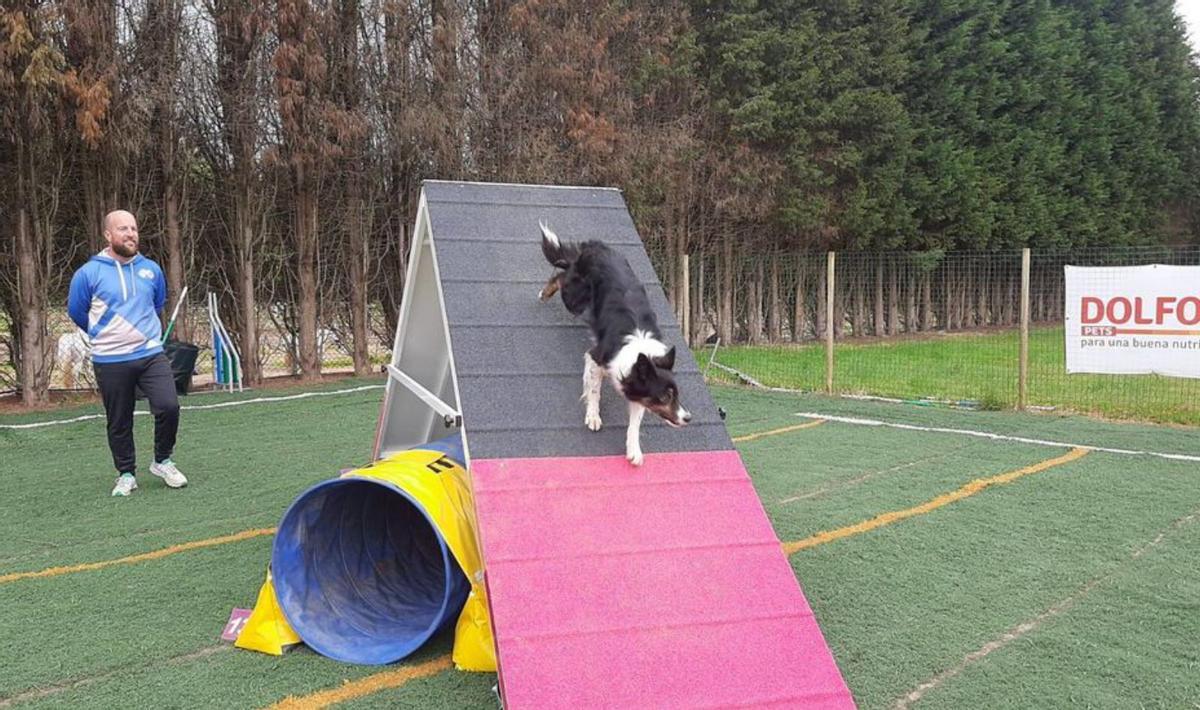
368, 566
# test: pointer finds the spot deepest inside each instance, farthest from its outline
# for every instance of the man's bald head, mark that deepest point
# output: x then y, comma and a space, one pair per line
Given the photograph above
121, 233
108, 218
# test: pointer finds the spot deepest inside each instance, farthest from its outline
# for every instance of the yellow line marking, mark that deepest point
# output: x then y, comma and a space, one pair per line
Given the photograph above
143, 557
784, 430
968, 490
352, 689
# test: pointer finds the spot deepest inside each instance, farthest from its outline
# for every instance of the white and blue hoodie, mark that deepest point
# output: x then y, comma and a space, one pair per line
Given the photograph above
117, 305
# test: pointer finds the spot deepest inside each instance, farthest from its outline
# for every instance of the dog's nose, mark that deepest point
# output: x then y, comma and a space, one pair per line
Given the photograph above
687, 417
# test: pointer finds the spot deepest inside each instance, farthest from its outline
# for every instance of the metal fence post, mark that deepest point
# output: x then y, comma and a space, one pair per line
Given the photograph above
1023, 375
830, 259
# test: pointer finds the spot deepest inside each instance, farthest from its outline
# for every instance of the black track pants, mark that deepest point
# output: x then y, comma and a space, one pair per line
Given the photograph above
117, 381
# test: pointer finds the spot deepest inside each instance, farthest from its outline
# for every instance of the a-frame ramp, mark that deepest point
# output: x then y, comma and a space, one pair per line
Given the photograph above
610, 586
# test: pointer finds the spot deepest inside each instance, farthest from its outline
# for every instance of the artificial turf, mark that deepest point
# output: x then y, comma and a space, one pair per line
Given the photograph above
980, 367
1097, 554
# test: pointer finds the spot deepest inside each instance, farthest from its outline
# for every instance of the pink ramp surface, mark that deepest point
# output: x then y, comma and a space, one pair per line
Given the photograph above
662, 586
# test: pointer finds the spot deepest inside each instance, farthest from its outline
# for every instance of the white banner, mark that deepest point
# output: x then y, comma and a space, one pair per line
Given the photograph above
1133, 320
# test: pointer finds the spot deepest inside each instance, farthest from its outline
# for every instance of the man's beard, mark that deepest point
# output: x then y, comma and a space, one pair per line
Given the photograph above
120, 249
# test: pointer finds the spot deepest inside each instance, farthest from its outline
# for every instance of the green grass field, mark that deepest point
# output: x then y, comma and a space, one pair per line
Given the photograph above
1076, 586
982, 367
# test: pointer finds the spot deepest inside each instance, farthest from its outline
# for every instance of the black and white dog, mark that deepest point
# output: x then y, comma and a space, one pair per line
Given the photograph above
598, 284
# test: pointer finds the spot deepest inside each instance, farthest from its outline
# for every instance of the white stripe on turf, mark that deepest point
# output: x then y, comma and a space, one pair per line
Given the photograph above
997, 437
192, 407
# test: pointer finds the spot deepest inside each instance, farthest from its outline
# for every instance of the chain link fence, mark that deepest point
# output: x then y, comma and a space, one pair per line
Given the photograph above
930, 327
278, 351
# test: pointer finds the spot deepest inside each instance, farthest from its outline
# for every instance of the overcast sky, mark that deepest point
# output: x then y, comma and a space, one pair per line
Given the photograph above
1190, 11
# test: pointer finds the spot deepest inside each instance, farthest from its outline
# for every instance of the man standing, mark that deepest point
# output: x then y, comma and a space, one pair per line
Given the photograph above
115, 298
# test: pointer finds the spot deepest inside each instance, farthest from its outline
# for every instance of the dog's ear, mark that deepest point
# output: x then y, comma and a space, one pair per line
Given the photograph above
666, 362
643, 369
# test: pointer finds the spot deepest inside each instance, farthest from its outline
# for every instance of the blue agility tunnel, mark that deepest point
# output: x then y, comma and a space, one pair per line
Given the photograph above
360, 569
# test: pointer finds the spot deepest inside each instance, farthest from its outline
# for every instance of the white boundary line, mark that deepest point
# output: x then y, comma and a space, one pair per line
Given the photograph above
996, 437
220, 405
1047, 615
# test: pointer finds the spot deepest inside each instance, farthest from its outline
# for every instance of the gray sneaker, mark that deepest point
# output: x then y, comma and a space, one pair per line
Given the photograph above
171, 475
126, 484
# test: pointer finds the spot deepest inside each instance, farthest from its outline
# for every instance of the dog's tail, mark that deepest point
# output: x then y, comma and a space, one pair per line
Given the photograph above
557, 252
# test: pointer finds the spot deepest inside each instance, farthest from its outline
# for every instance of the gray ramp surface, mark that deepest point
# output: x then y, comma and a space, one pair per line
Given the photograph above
519, 361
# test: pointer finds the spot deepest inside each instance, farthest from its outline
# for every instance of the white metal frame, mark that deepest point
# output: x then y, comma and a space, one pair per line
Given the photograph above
415, 409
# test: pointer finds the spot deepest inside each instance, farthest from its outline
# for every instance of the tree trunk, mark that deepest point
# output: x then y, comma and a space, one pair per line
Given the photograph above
668, 267
1058, 302
1010, 298
954, 318
391, 265
35, 384
926, 302
754, 307
306, 253
91, 51
681, 280
162, 33
880, 325
175, 281
893, 317
394, 263
798, 312
858, 301
252, 373
956, 299
912, 321
970, 286
947, 298
1038, 287
962, 304
236, 33
448, 95
822, 302
98, 198
725, 318
985, 298
348, 72
996, 295
840, 286
774, 315
358, 278
697, 302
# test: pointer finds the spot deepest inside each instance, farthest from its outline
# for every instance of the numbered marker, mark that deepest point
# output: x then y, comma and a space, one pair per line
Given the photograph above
233, 627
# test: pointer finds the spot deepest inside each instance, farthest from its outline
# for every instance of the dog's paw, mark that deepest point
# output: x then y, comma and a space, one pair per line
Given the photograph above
592, 421
634, 457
